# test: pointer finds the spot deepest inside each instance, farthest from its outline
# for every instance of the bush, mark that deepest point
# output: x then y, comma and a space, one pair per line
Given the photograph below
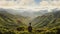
9, 32
1, 33
20, 29
58, 30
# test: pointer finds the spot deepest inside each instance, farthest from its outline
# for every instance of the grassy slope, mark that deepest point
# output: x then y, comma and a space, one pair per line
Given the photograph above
48, 20
10, 21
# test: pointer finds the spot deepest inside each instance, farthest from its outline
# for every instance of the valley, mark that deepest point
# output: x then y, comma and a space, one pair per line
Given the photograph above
47, 23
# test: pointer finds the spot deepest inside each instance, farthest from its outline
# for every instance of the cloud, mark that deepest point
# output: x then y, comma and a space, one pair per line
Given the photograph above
27, 2
44, 3
50, 5
30, 4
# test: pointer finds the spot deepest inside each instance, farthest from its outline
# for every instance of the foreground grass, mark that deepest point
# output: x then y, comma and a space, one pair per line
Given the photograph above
55, 30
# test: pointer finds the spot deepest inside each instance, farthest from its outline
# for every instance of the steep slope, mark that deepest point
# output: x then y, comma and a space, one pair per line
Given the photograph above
8, 20
48, 20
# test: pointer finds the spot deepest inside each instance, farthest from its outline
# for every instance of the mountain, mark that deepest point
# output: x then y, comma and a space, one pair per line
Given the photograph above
25, 16
26, 13
33, 13
49, 20
10, 21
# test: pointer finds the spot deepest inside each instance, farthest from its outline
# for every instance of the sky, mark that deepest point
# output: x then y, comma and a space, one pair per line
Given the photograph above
34, 5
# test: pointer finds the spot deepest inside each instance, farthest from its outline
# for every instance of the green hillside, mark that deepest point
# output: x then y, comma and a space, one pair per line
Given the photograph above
10, 22
47, 20
13, 24
48, 23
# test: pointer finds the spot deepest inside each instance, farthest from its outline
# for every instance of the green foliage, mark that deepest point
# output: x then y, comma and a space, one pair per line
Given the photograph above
9, 32
46, 24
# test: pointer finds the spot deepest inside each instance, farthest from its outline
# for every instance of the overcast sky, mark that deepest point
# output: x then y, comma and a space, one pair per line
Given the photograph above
34, 5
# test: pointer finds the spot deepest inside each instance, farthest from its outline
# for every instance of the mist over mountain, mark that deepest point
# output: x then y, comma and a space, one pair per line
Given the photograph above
33, 13
29, 16
42, 20
10, 14
26, 13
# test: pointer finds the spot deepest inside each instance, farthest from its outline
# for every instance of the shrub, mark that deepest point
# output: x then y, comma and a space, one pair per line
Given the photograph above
9, 32
20, 29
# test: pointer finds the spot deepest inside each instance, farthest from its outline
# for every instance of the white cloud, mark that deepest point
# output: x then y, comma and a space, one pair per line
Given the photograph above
27, 2
30, 4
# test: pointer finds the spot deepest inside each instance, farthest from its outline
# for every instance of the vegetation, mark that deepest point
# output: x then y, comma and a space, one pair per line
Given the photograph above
45, 24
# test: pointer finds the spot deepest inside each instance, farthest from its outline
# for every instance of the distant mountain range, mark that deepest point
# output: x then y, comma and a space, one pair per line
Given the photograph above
26, 13
34, 13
